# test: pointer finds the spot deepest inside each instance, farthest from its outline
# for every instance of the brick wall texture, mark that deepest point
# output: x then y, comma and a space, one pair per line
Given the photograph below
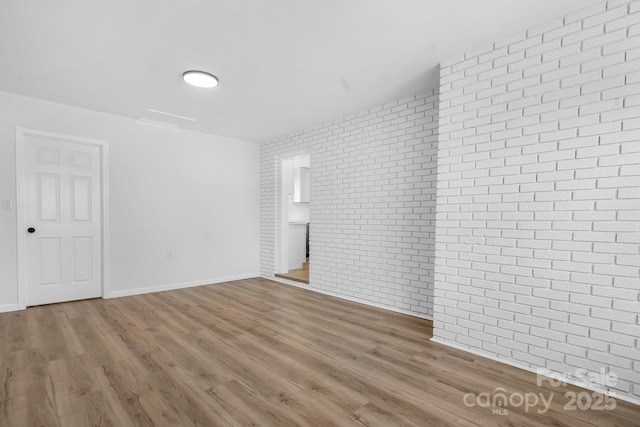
536, 223
538, 199
373, 185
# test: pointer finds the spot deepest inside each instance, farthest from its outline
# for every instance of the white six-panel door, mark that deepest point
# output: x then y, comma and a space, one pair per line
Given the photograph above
62, 219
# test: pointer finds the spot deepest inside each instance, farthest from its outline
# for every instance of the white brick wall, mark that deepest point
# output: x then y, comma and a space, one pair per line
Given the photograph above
538, 201
372, 204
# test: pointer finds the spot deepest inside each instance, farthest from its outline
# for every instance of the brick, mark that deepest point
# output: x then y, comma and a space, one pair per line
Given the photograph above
577, 164
618, 137
600, 63
590, 322
599, 129
622, 68
542, 48
563, 95
631, 124
559, 73
613, 337
571, 330
524, 44
630, 170
597, 151
601, 171
549, 314
580, 36
624, 21
578, 121
540, 88
567, 349
601, 18
609, 359
584, 342
617, 182
561, 31
604, 39
631, 100
599, 194
629, 193
631, 331
516, 69
594, 216
631, 53
523, 83
558, 54
582, 78
590, 300
585, 13
556, 159
624, 352
602, 85
614, 104
339, 170
530, 339
555, 176
613, 248
629, 89
492, 54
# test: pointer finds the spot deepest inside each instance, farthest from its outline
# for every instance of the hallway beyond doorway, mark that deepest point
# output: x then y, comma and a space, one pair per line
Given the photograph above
300, 275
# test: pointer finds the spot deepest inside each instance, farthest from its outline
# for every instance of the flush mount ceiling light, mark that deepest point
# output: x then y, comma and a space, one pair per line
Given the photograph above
200, 78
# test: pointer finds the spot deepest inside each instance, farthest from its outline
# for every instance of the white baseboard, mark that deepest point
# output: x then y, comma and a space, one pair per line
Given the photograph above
173, 286
8, 307
345, 297
616, 394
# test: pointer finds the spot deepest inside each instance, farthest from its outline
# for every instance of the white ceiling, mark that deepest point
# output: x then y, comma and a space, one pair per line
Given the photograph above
283, 65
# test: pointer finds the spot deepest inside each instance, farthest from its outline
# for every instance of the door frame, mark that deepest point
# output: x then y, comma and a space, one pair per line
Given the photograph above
282, 235
103, 146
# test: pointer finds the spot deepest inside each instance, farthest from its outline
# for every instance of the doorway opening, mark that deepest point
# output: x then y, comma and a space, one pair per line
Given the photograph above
295, 219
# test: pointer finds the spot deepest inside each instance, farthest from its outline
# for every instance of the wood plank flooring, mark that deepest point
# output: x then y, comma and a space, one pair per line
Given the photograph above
300, 275
252, 353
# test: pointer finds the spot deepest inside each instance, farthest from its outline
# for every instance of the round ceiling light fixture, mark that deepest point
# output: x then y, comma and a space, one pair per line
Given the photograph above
200, 78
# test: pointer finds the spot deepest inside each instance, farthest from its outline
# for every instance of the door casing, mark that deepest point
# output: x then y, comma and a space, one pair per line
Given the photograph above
21, 133
282, 237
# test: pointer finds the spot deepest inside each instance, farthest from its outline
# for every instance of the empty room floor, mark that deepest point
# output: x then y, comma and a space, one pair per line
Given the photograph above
253, 352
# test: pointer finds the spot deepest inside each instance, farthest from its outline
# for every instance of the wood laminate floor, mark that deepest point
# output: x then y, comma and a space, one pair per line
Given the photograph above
299, 275
252, 353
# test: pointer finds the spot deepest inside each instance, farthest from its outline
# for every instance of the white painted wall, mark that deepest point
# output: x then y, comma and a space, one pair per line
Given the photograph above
372, 207
194, 194
538, 203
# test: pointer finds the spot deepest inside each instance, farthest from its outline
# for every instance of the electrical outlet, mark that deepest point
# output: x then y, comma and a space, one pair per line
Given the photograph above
169, 254
7, 204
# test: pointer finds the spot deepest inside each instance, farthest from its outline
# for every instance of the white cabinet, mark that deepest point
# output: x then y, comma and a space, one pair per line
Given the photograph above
301, 185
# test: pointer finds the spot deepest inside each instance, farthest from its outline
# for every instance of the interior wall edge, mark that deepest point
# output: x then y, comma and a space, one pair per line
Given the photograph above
384, 307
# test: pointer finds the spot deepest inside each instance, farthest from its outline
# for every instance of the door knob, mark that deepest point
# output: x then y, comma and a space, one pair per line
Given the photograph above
31, 230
